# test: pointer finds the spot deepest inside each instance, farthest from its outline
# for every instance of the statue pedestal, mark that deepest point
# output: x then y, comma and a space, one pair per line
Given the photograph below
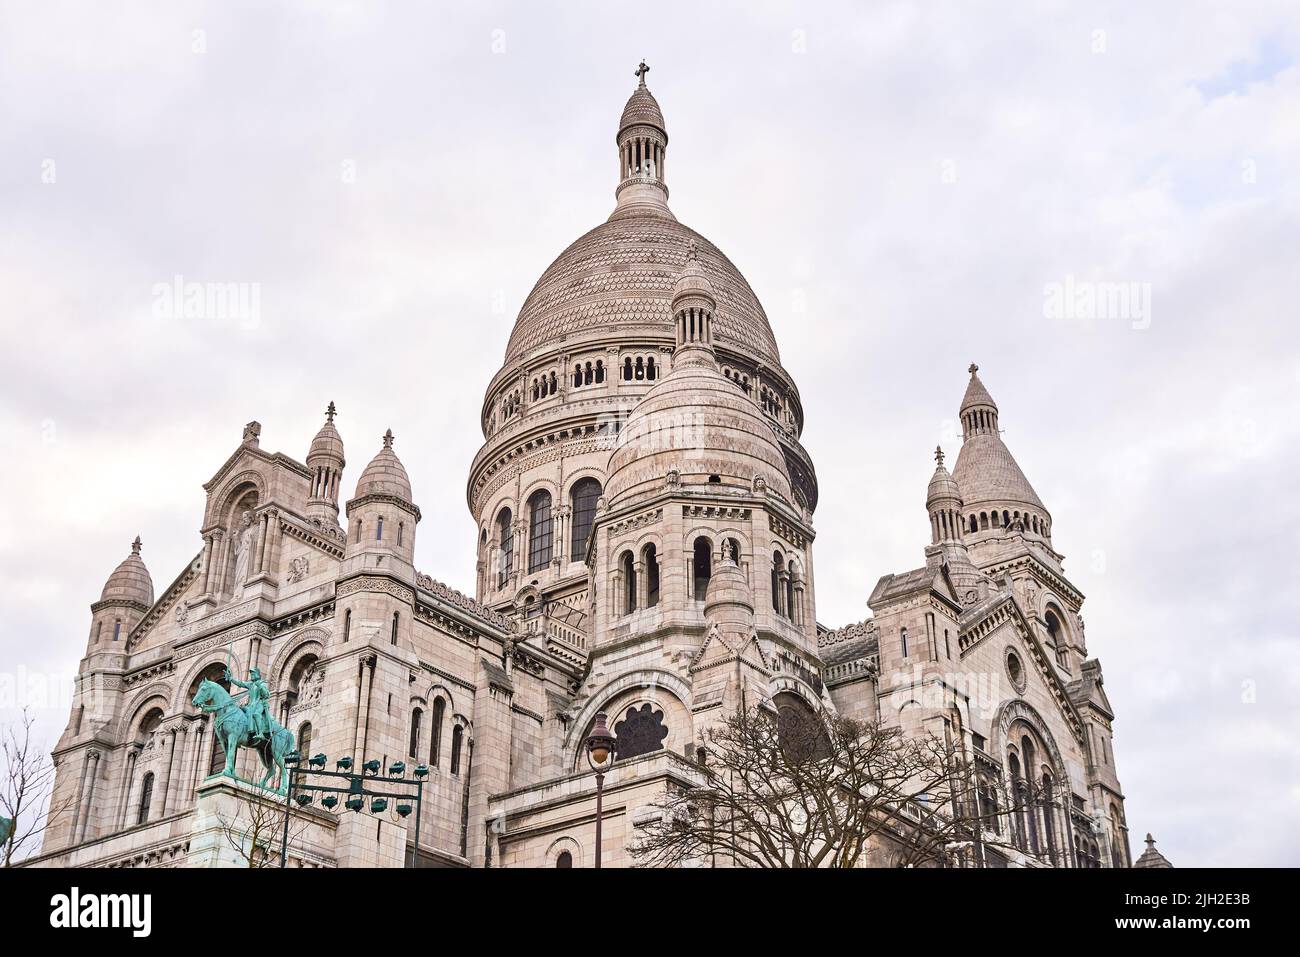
230, 814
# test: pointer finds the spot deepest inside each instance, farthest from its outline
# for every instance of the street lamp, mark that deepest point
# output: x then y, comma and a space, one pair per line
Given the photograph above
599, 746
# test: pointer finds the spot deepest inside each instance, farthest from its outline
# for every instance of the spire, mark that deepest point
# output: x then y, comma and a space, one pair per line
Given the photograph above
1151, 857
979, 413
988, 473
642, 140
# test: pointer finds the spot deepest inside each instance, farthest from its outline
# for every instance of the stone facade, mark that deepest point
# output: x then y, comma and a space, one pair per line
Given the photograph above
644, 524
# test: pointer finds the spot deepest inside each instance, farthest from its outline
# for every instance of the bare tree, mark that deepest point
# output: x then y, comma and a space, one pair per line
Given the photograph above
256, 829
796, 789
26, 790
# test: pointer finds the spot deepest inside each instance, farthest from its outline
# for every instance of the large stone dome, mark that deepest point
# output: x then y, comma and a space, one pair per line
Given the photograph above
620, 276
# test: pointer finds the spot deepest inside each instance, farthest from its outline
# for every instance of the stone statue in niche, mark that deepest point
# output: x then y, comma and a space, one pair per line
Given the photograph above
243, 554
298, 568
641, 731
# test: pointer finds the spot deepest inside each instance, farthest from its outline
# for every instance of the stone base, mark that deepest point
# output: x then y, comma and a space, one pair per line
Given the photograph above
229, 812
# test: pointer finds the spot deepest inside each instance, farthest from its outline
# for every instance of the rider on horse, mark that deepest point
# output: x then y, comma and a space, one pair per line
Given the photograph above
256, 707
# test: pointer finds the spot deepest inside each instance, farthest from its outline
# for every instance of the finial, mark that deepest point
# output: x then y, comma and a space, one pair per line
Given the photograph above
331, 412
973, 369
388, 439
135, 546
938, 455
1151, 841
641, 71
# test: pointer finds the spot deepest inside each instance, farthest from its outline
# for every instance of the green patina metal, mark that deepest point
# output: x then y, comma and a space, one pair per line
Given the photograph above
6, 828
246, 726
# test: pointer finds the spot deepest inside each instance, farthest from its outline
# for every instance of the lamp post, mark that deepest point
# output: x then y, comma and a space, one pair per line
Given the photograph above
599, 746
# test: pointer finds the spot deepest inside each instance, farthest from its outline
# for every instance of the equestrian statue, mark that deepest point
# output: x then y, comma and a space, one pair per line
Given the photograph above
246, 725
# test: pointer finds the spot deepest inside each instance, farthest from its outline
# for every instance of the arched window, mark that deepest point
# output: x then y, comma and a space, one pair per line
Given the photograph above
435, 732
396, 618
627, 566
789, 591
457, 737
379, 529
117, 629
347, 624
778, 563
583, 498
650, 372
650, 561
304, 740
565, 859
1018, 790
600, 370
702, 566
627, 369
540, 530
1056, 638
974, 524
401, 528
146, 798
413, 749
506, 545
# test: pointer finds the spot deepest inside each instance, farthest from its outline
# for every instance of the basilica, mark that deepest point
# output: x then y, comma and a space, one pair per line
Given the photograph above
643, 513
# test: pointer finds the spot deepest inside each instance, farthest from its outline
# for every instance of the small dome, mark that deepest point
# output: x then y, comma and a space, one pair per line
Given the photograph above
976, 395
328, 442
385, 475
130, 581
642, 108
942, 486
693, 281
697, 422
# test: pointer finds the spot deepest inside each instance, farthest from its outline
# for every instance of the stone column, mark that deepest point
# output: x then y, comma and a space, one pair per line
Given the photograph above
92, 762
124, 805
208, 542
255, 566
170, 773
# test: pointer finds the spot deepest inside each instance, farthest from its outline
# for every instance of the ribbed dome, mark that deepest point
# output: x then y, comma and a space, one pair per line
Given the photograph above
986, 472
385, 475
942, 484
642, 107
619, 278
698, 422
327, 442
130, 581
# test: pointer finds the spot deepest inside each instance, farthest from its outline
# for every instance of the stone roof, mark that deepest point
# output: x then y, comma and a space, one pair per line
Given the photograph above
895, 586
642, 108
1151, 857
327, 440
976, 394
851, 642
987, 472
617, 281
385, 475
130, 581
942, 484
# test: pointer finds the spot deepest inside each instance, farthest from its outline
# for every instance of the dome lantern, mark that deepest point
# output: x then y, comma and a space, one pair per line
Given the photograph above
642, 145
325, 459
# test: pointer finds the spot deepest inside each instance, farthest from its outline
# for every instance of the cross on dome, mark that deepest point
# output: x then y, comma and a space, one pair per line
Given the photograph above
641, 71
938, 454
330, 412
973, 369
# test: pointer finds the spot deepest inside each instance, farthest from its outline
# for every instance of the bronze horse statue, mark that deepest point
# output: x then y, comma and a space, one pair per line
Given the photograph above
234, 729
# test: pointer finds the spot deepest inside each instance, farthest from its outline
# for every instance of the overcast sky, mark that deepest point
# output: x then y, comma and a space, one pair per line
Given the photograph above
900, 185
